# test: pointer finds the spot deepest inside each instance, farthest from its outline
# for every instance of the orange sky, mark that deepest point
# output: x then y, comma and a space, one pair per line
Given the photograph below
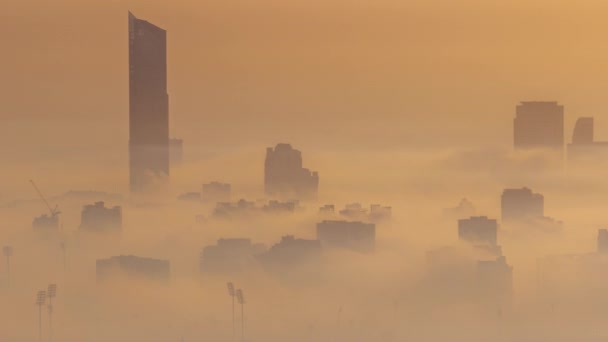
385, 72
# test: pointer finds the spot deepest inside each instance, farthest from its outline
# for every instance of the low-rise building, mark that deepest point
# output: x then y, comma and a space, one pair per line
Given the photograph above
130, 266
99, 218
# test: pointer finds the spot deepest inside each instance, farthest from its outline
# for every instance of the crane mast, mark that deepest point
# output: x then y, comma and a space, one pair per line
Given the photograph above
54, 212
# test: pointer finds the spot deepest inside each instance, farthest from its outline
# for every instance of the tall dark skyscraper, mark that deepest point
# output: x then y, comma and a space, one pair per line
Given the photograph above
148, 105
539, 125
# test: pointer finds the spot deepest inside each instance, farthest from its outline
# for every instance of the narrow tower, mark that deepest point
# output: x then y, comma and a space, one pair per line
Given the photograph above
148, 105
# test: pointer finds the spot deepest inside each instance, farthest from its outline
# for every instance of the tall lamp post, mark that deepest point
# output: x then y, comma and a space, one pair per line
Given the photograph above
40, 300
241, 299
231, 293
8, 253
51, 293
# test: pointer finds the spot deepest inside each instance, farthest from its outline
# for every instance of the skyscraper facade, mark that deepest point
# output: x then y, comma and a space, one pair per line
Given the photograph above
539, 125
148, 105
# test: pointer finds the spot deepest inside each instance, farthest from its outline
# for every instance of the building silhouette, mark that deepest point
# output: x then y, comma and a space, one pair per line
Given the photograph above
243, 208
354, 211
98, 218
539, 125
276, 207
284, 176
583, 132
478, 230
523, 207
216, 192
227, 210
357, 236
291, 252
327, 209
583, 146
379, 212
148, 105
521, 204
602, 241
376, 213
495, 278
130, 266
46, 223
229, 256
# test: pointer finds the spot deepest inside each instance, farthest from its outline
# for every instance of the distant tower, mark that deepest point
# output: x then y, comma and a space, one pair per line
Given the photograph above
583, 131
584, 150
539, 125
148, 104
521, 204
285, 177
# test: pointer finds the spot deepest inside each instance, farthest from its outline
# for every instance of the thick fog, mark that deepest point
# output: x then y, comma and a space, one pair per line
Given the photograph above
406, 104
389, 295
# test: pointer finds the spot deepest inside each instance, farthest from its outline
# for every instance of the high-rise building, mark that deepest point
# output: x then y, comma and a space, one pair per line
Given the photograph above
97, 218
148, 105
583, 131
478, 230
285, 177
521, 204
584, 148
539, 125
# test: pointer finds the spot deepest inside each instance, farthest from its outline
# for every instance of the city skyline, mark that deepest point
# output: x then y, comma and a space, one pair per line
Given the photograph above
427, 170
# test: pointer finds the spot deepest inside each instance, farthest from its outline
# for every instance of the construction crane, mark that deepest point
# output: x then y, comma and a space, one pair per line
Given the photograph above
55, 211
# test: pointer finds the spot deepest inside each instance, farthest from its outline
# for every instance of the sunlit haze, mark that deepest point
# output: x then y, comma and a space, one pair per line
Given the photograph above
322, 170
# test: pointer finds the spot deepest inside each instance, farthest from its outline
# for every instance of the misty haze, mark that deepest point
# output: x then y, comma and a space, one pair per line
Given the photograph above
415, 170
